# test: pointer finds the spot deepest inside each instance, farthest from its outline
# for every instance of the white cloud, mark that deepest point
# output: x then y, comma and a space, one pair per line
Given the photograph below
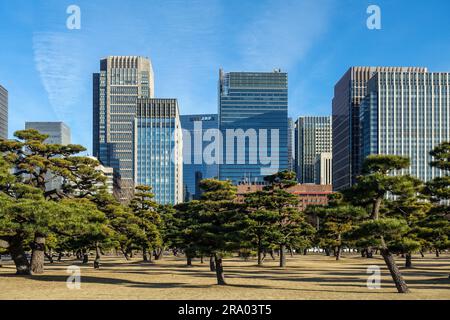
282, 32
58, 58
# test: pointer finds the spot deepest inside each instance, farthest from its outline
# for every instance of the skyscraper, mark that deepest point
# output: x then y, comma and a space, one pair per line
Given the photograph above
159, 148
348, 94
406, 112
313, 137
3, 113
291, 145
253, 120
195, 168
58, 133
122, 79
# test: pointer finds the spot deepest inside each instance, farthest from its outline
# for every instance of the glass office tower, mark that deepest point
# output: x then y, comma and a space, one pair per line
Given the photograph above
122, 79
253, 103
348, 94
406, 112
158, 145
194, 166
3, 113
313, 137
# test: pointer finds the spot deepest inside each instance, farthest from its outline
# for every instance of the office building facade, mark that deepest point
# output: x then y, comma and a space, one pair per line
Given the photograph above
313, 137
195, 167
349, 92
159, 149
253, 121
116, 88
3, 113
291, 145
406, 112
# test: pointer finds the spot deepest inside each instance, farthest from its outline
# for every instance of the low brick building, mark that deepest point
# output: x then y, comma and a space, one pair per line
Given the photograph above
308, 194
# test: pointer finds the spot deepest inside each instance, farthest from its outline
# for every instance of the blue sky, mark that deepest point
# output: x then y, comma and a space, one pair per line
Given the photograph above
47, 68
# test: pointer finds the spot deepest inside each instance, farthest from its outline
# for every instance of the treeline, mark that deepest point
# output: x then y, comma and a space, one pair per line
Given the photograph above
382, 213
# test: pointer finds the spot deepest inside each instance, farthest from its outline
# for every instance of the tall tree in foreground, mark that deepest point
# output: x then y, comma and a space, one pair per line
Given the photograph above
375, 184
435, 228
217, 221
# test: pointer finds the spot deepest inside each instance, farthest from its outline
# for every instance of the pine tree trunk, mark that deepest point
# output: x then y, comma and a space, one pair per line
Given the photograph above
271, 254
437, 253
1, 261
291, 252
212, 265
49, 256
408, 261
144, 253
219, 271
338, 253
97, 257
282, 256
421, 253
189, 261
60, 256
305, 251
37, 254
18, 255
85, 256
260, 262
159, 253
327, 252
395, 272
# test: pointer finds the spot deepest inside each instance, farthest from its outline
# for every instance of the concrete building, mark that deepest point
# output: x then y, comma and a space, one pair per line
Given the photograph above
349, 91
59, 133
116, 88
253, 120
159, 148
195, 167
406, 112
3, 113
324, 168
313, 137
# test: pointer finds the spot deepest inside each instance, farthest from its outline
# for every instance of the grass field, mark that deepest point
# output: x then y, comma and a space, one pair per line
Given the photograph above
306, 277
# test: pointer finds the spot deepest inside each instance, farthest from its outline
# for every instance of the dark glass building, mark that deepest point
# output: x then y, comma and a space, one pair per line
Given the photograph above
253, 120
348, 95
194, 168
3, 113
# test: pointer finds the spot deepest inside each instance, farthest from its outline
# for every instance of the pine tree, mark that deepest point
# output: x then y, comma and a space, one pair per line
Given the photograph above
374, 185
144, 209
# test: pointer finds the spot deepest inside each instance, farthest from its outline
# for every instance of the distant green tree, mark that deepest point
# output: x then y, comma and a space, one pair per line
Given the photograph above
291, 228
336, 221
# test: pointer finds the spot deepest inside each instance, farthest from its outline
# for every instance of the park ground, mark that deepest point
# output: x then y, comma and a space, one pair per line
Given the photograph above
305, 277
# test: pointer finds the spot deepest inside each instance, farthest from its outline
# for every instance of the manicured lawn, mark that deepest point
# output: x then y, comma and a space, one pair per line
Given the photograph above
306, 277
